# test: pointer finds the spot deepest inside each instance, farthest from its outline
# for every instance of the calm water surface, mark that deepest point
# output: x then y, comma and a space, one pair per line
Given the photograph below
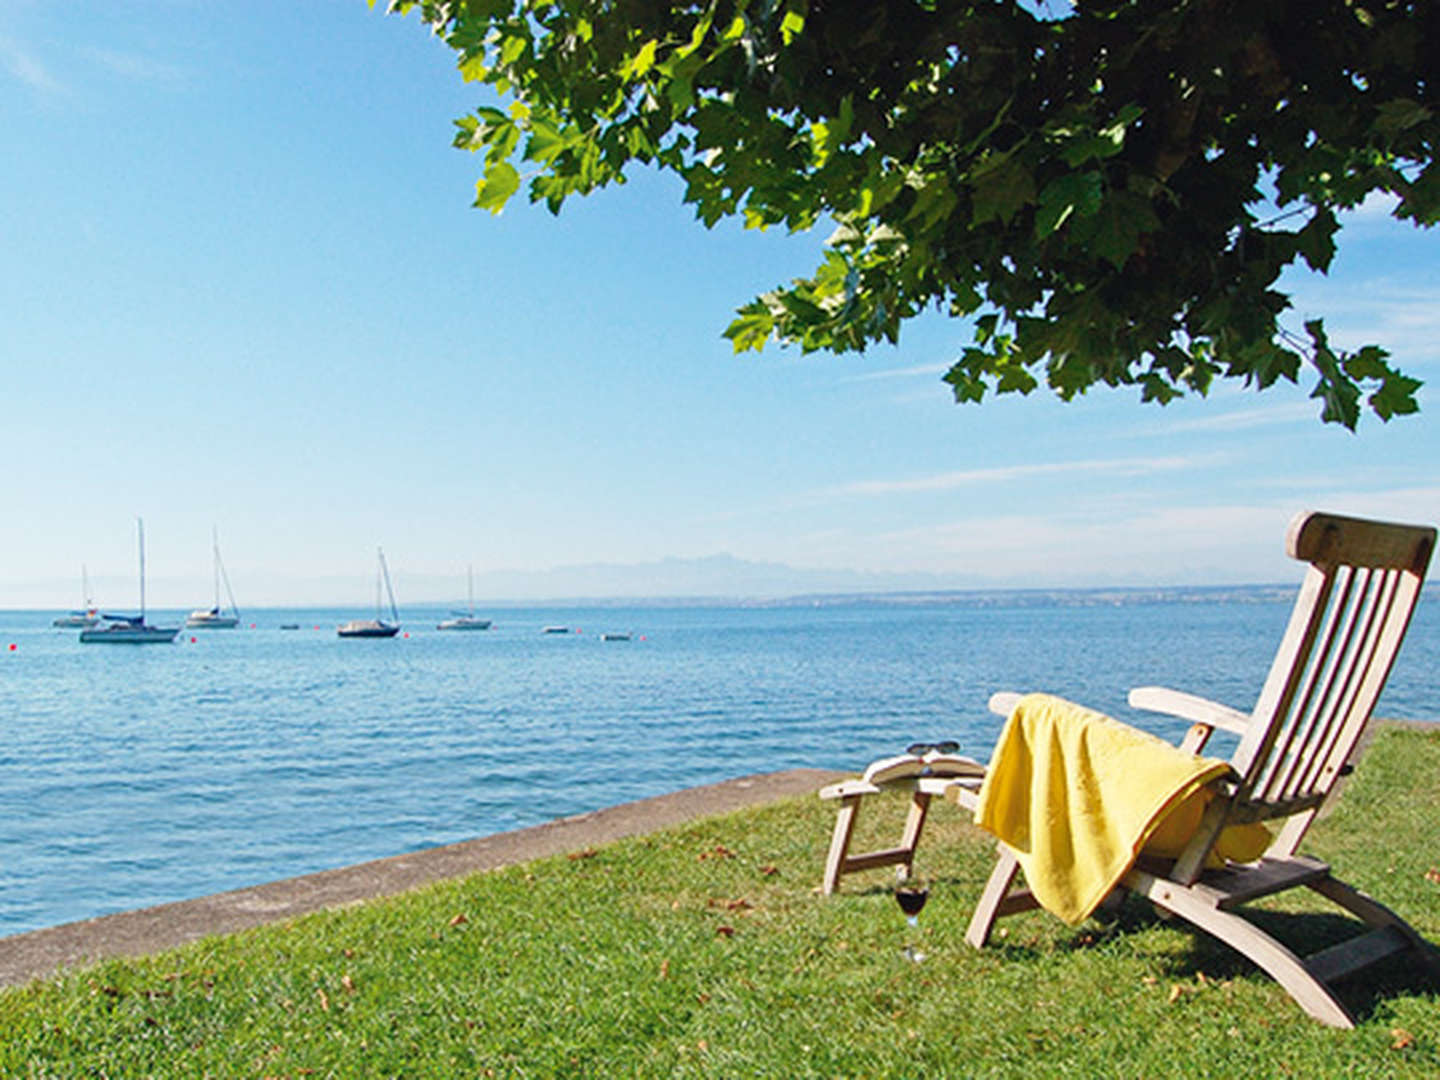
131, 776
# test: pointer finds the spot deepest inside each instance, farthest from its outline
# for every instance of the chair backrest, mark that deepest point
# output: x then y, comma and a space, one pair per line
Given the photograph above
1349, 620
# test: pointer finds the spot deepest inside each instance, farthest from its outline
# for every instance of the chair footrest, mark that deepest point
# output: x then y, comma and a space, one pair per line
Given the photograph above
1357, 953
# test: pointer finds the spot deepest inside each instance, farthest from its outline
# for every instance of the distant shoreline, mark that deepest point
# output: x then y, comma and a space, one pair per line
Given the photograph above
888, 598
1041, 596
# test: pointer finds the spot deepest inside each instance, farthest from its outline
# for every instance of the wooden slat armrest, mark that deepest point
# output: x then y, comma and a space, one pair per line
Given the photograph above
1197, 710
844, 789
1004, 702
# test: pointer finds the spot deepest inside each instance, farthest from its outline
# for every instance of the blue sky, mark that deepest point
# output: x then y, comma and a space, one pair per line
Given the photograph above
241, 285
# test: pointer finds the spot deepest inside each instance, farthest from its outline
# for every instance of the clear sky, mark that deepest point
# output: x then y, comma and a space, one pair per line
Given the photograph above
242, 286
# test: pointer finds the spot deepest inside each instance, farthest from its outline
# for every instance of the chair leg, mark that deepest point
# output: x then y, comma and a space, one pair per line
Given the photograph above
1309, 992
1375, 914
840, 862
840, 843
987, 910
914, 825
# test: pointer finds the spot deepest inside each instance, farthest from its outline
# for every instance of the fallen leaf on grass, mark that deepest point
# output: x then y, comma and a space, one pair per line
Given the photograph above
769, 871
1400, 1039
459, 919
324, 1000
665, 968
725, 931
1433, 875
1176, 993
739, 904
347, 984
719, 851
587, 853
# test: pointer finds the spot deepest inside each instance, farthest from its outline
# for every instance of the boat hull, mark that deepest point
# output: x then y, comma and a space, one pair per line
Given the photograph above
74, 621
367, 628
464, 622
212, 622
129, 635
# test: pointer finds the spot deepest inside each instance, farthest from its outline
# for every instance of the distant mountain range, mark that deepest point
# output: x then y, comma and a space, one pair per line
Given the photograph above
711, 577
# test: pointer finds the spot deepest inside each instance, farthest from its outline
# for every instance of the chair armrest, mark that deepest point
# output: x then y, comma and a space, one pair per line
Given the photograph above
1197, 710
1004, 702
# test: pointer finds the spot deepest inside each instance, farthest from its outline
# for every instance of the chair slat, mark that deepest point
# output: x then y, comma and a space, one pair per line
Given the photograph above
1353, 708
1283, 681
1330, 667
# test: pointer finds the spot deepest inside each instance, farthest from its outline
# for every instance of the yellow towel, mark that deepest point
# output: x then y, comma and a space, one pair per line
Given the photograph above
1077, 795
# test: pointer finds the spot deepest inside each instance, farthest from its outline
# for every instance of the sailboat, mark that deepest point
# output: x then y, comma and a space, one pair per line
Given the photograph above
130, 629
89, 615
213, 618
467, 619
375, 627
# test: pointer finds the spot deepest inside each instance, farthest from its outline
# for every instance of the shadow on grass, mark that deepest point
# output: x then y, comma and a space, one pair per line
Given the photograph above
1304, 933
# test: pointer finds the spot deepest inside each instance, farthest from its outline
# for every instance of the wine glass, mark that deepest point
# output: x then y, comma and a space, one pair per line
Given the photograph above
911, 894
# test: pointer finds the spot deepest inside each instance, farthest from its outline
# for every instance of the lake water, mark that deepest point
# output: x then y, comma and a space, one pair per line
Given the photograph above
131, 776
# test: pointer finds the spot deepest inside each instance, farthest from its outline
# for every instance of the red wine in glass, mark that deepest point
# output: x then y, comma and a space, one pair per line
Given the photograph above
911, 896
911, 899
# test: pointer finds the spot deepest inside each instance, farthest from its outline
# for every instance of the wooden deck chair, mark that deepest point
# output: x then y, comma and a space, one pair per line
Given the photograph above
924, 775
1349, 619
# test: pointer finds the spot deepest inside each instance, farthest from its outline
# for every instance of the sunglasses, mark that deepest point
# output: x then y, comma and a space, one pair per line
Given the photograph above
920, 749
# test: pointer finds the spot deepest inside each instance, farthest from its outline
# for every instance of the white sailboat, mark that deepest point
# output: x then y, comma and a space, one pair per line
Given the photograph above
466, 620
130, 629
376, 627
214, 618
88, 615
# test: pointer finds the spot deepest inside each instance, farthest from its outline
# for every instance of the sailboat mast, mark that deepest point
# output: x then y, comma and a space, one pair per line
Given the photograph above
140, 525
385, 571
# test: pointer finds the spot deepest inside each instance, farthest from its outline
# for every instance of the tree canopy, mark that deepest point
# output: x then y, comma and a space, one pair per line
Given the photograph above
1108, 189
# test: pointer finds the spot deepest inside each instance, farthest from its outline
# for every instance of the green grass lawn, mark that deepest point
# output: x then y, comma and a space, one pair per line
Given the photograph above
707, 951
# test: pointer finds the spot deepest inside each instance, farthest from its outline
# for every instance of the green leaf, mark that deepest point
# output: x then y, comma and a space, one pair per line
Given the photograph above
1116, 229
641, 62
497, 185
1001, 191
1399, 115
752, 329
545, 141
1316, 241
512, 48
1074, 193
1396, 397
791, 26
1368, 363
